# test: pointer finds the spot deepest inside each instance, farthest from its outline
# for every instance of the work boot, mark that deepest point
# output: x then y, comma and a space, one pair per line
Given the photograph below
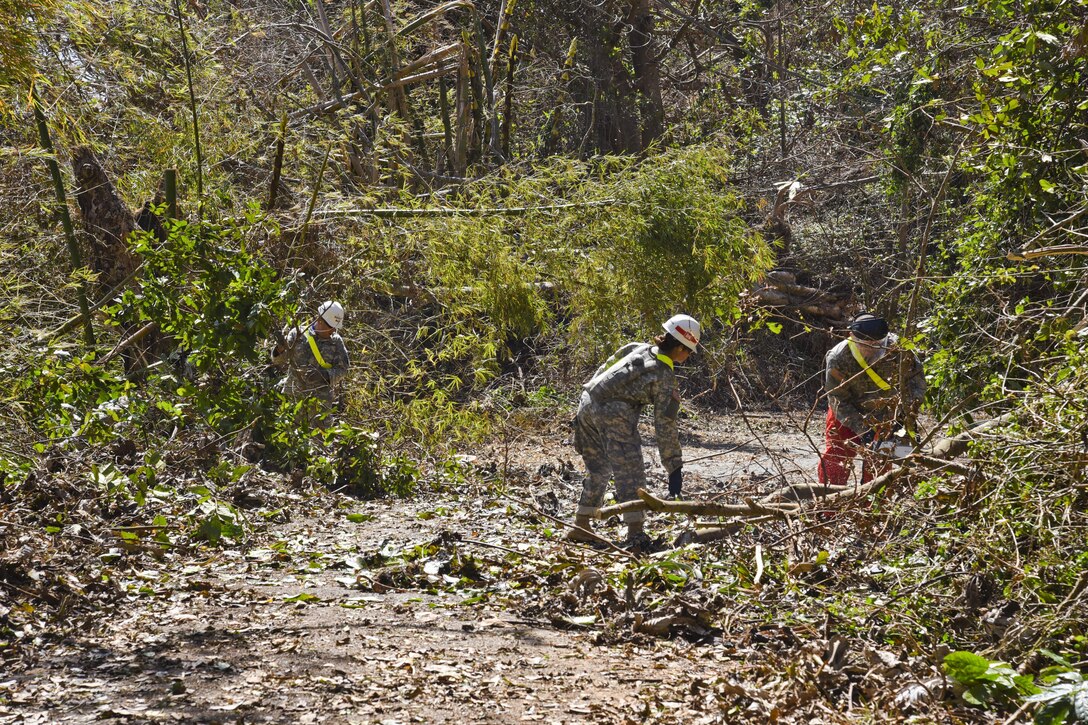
638, 541
582, 521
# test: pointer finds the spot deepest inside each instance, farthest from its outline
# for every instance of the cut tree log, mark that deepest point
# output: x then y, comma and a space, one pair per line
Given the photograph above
780, 289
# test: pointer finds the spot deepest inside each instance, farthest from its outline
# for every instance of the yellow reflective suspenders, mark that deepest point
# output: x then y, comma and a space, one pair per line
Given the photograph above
856, 352
317, 353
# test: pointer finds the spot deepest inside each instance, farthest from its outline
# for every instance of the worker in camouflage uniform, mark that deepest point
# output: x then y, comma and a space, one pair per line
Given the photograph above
606, 424
316, 360
862, 382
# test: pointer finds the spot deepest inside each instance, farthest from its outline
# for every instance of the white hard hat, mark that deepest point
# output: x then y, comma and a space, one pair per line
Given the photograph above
332, 313
685, 329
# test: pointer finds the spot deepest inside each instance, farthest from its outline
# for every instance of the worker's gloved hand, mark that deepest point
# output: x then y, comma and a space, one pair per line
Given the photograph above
676, 482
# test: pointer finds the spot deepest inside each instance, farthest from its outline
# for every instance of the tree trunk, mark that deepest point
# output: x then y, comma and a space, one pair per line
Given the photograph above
107, 219
647, 73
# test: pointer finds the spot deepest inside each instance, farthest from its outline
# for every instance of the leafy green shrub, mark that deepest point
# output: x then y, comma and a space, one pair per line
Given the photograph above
351, 459
1063, 698
986, 682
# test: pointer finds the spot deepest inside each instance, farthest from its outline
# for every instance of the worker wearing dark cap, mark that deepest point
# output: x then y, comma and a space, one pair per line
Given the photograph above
862, 382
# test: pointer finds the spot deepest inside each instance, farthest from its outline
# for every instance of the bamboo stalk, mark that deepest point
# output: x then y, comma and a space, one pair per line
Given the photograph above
428, 59
277, 165
621, 508
435, 13
508, 106
506, 11
193, 108
170, 187
310, 208
551, 129
463, 101
447, 129
477, 100
65, 215
331, 55
489, 90
397, 98
392, 212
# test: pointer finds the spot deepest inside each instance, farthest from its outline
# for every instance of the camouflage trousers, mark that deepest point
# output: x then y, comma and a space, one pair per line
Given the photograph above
321, 411
606, 436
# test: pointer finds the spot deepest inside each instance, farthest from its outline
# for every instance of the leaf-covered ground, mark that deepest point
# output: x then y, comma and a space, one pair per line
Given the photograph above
464, 605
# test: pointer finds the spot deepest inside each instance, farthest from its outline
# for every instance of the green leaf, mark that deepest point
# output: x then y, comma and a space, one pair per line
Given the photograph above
303, 597
359, 518
774, 327
977, 695
579, 621
1053, 714
1080, 701
966, 667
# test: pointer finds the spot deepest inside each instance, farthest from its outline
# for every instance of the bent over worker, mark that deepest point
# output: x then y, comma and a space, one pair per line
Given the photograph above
606, 424
862, 382
316, 359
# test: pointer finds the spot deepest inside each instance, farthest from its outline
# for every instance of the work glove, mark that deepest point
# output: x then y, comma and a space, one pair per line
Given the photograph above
676, 482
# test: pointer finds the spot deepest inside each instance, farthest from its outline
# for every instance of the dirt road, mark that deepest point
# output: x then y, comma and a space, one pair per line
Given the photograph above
417, 611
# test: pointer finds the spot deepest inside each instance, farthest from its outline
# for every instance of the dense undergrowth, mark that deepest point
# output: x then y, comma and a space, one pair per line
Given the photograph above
940, 155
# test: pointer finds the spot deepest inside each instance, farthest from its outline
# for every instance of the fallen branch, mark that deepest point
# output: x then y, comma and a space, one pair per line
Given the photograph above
597, 537
803, 492
621, 508
393, 213
129, 341
750, 509
883, 480
1024, 255
956, 445
662, 626
939, 464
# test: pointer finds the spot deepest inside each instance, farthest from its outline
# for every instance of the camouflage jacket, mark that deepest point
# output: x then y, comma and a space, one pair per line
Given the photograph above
305, 376
856, 399
634, 377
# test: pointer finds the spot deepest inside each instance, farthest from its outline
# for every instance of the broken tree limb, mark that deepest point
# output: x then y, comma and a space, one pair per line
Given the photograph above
825, 493
1024, 255
749, 509
129, 341
707, 531
730, 525
957, 445
883, 480
621, 508
803, 492
937, 465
